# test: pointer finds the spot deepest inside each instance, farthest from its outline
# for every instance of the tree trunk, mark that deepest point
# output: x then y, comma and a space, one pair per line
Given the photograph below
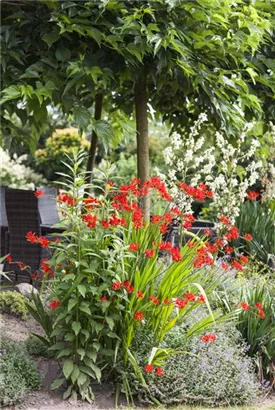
142, 138
93, 146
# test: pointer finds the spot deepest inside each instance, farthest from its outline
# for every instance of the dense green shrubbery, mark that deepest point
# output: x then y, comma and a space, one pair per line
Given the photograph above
18, 374
13, 302
218, 374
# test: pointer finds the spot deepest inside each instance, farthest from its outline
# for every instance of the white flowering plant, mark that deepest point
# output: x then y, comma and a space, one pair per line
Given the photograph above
227, 170
15, 174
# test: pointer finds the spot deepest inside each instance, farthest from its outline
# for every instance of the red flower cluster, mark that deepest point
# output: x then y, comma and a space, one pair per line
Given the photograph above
46, 268
244, 306
133, 247
199, 193
181, 303
204, 257
54, 304
149, 368
210, 337
90, 219
259, 307
38, 193
233, 233
154, 300
149, 253
9, 258
139, 316
91, 202
156, 183
188, 221
252, 195
248, 237
66, 199
42, 240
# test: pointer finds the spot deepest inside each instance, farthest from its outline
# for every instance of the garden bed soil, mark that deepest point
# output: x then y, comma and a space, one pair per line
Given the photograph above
45, 399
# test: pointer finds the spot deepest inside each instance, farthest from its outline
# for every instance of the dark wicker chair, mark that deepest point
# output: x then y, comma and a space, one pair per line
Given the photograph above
3, 222
23, 216
48, 210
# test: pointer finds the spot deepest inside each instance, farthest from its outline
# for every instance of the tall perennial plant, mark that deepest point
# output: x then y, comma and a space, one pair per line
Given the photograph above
229, 170
107, 279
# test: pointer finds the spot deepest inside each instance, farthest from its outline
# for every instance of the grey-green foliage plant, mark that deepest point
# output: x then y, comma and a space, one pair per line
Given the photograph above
13, 302
212, 374
259, 221
18, 372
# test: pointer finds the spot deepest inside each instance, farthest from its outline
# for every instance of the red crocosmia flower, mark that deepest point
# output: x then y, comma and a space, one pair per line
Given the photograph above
224, 220
248, 237
116, 285
252, 195
228, 249
175, 211
127, 283
34, 276
244, 306
190, 296
165, 246
44, 242
261, 314
225, 266
9, 258
167, 218
166, 302
163, 228
149, 368
133, 247
156, 219
67, 199
210, 337
139, 316
130, 289
259, 305
104, 299
149, 253
137, 218
176, 255
38, 193
90, 219
233, 233
190, 244
154, 300
110, 184
201, 299
181, 303
54, 304
31, 237
219, 242
159, 372
105, 224
140, 295
46, 268
244, 259
207, 232
20, 265
237, 265
57, 240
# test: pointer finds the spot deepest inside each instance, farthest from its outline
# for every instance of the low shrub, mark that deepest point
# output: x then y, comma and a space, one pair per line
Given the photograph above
18, 373
13, 302
212, 374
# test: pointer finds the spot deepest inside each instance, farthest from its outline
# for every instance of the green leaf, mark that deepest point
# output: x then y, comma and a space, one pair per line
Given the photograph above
82, 290
85, 309
110, 322
75, 373
63, 54
71, 304
82, 116
76, 326
51, 37
81, 352
104, 131
68, 367
64, 352
57, 383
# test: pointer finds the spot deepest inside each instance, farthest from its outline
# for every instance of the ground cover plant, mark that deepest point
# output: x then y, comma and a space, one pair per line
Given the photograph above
18, 373
13, 302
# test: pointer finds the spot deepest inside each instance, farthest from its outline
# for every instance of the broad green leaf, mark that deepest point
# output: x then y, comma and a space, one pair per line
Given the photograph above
68, 366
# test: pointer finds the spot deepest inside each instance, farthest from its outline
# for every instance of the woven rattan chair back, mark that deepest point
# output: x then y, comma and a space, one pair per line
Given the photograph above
47, 206
3, 222
23, 216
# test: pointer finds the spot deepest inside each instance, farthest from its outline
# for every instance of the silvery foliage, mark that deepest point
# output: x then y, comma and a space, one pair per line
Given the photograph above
15, 174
